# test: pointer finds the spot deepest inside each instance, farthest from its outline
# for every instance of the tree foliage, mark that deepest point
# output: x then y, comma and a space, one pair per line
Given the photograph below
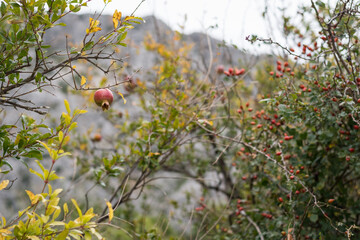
284, 165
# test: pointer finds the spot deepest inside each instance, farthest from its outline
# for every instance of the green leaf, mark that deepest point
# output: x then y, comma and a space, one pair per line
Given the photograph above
63, 234
320, 4
121, 37
314, 217
34, 154
88, 46
6, 145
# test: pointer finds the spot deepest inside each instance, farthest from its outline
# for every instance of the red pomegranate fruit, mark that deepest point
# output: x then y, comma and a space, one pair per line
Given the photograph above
220, 69
103, 98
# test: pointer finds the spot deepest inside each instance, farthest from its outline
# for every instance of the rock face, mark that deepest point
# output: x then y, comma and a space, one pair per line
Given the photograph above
76, 25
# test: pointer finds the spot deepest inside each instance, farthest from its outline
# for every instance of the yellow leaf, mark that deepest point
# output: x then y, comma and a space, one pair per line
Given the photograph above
4, 184
122, 97
46, 146
129, 18
17, 140
4, 231
66, 118
79, 112
33, 198
111, 211
77, 207
33, 237
3, 221
83, 80
74, 66
61, 136
116, 18
93, 26
66, 209
115, 22
67, 106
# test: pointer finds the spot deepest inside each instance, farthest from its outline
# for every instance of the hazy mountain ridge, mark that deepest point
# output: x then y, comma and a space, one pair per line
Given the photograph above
76, 25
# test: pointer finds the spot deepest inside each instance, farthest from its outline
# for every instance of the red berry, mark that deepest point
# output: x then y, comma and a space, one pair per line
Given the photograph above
239, 72
198, 209
281, 199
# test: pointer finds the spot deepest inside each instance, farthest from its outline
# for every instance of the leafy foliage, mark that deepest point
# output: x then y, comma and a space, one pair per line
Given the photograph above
280, 166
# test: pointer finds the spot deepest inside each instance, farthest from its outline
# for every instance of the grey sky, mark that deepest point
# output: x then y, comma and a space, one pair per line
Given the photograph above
235, 19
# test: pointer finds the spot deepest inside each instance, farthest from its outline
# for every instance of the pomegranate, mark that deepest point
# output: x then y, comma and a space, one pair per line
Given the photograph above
103, 98
220, 69
96, 138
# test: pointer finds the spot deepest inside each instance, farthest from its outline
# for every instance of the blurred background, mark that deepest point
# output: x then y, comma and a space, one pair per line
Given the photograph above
228, 20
